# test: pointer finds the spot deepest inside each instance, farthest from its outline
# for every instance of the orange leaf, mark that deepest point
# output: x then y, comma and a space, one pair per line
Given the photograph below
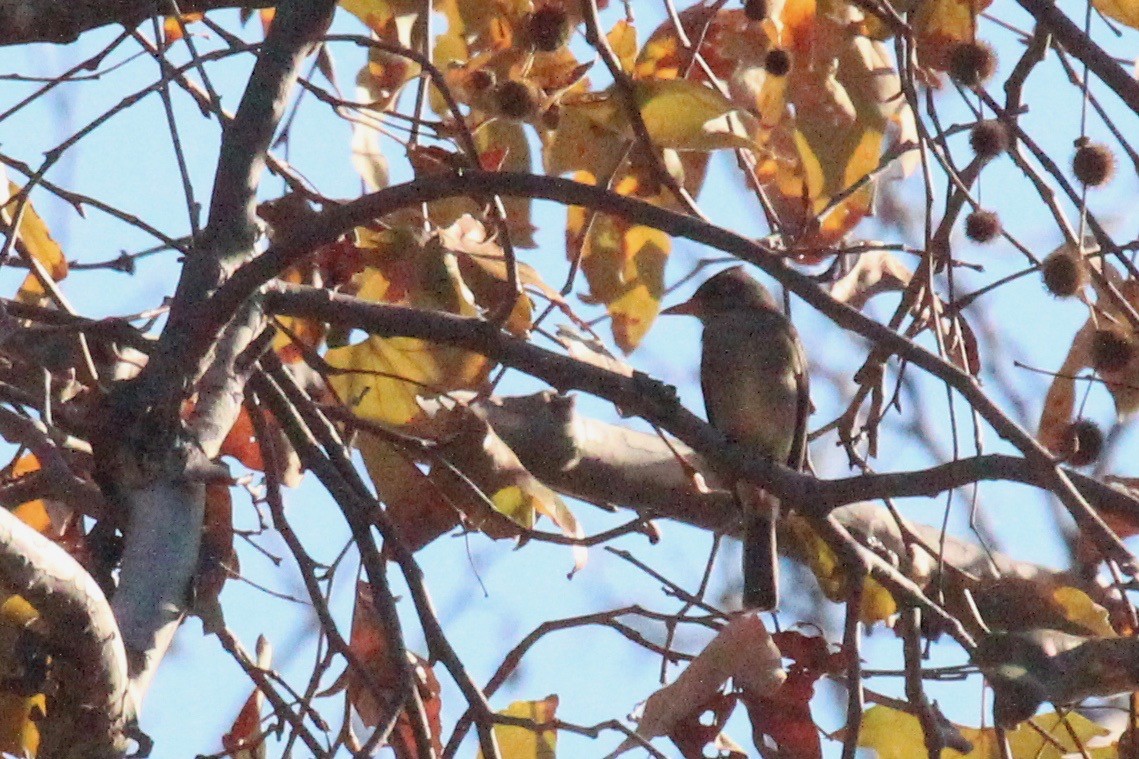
241, 442
173, 26
369, 642
245, 738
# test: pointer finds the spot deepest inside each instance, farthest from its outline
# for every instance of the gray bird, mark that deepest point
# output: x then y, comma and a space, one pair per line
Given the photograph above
753, 372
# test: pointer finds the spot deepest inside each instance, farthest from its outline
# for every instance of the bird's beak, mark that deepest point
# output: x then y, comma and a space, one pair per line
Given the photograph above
690, 307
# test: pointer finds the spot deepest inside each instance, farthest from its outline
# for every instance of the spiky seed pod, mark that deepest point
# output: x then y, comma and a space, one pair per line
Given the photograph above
480, 80
517, 100
1093, 164
1084, 443
1064, 273
1112, 350
552, 117
982, 226
777, 62
548, 27
971, 64
989, 139
755, 10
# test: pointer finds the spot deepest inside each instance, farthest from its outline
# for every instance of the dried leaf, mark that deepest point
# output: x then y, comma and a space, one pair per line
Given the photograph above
416, 507
369, 643
217, 559
703, 728
877, 272
743, 651
784, 717
488, 464
245, 739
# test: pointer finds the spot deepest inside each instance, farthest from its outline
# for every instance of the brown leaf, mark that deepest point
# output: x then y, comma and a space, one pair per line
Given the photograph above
505, 488
369, 642
743, 650
876, 272
415, 505
217, 559
245, 739
784, 717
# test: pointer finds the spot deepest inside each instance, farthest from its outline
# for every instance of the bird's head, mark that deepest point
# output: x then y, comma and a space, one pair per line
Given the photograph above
730, 290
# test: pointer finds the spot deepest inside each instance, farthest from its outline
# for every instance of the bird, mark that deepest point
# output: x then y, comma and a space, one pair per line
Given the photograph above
753, 373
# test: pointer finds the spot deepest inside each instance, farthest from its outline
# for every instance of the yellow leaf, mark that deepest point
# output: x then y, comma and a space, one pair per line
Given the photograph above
382, 378
623, 39
522, 743
17, 612
877, 602
1078, 607
624, 265
32, 513
377, 14
505, 143
1123, 11
894, 734
511, 501
686, 115
582, 142
19, 734
941, 25
35, 237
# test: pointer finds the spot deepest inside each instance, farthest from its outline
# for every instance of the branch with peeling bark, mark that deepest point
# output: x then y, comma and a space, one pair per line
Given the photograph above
146, 463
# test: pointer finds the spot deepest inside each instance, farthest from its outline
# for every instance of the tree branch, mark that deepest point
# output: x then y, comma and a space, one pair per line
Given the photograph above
61, 21
327, 226
93, 707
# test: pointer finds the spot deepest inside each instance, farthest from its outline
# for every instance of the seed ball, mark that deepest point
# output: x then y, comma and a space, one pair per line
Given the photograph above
1063, 274
548, 27
982, 226
480, 80
755, 10
971, 64
1085, 442
552, 117
1112, 350
1093, 164
516, 100
777, 62
989, 139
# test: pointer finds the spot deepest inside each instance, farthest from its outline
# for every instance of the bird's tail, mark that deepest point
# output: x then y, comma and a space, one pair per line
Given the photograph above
760, 554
